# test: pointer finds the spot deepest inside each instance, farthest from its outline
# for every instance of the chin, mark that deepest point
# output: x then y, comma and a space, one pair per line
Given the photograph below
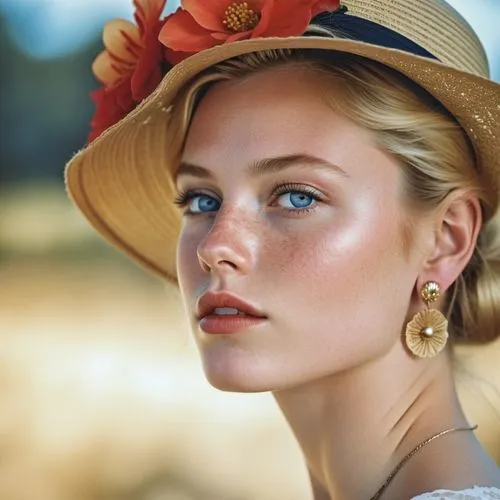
227, 384
228, 380
236, 373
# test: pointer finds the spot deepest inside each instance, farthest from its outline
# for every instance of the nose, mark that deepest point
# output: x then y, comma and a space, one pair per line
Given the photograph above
230, 246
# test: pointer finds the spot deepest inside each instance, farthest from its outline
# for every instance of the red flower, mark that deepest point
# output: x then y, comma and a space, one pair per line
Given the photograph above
131, 67
201, 24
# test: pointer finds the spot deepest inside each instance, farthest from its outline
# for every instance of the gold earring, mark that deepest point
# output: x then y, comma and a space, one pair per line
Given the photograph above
426, 333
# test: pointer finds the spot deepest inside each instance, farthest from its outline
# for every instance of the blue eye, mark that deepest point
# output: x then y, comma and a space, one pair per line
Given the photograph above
296, 200
202, 204
197, 203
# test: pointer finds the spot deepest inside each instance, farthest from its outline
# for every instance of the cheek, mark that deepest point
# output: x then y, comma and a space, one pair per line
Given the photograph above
333, 273
343, 249
188, 266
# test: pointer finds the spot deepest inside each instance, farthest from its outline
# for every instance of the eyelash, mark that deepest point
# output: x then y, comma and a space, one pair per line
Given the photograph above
281, 189
184, 197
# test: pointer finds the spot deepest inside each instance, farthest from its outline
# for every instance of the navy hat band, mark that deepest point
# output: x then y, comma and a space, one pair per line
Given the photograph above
363, 30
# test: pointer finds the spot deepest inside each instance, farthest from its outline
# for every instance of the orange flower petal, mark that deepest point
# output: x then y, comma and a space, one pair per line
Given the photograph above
104, 69
143, 84
236, 36
277, 21
183, 34
266, 12
122, 38
147, 12
208, 16
148, 73
111, 106
324, 6
224, 37
173, 57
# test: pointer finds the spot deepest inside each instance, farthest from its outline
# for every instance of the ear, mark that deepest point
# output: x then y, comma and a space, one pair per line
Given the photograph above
456, 228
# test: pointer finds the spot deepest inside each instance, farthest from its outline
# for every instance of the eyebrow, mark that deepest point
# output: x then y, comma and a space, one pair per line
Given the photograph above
265, 166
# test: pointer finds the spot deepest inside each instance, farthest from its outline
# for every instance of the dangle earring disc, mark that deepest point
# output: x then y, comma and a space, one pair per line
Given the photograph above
426, 333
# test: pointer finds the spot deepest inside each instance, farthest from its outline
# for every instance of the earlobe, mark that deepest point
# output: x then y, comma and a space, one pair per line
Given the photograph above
456, 231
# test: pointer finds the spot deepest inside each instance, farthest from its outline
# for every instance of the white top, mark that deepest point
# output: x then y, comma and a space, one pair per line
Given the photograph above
470, 494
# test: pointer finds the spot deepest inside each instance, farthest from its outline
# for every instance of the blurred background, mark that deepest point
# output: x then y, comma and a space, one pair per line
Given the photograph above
101, 392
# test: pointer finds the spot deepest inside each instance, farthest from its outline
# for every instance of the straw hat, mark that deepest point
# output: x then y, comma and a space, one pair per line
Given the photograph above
122, 183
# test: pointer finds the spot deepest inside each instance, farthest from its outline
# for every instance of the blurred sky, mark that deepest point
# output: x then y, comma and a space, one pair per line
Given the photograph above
48, 29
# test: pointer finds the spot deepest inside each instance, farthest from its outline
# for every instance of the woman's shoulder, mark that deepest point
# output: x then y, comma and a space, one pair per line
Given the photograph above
477, 492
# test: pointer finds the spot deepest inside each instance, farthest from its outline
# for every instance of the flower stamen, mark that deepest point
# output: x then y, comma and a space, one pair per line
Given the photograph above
239, 17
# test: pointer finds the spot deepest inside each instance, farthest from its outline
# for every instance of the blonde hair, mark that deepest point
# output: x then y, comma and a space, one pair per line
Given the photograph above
434, 152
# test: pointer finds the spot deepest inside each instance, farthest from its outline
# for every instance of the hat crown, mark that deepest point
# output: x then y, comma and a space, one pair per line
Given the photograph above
432, 24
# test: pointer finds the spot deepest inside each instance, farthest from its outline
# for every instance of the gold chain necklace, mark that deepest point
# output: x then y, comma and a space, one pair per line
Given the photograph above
416, 450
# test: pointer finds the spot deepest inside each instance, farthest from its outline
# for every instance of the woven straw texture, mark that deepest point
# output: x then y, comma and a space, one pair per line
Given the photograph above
122, 183
434, 25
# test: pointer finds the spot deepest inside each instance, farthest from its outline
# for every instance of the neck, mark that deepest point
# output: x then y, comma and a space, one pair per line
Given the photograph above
360, 423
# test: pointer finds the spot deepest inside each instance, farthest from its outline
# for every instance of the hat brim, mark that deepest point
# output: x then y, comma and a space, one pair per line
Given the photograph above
122, 181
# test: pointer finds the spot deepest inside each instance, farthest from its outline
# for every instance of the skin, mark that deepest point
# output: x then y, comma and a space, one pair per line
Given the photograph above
336, 281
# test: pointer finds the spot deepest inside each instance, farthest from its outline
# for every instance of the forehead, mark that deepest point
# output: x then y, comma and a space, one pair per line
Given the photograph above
273, 113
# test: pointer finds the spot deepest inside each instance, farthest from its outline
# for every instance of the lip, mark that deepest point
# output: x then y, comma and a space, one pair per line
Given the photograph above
210, 301
228, 325
215, 324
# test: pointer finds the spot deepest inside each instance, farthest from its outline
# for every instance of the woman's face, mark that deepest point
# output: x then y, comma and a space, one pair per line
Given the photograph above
294, 210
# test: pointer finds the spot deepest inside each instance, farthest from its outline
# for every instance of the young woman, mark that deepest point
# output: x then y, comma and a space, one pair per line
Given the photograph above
322, 180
